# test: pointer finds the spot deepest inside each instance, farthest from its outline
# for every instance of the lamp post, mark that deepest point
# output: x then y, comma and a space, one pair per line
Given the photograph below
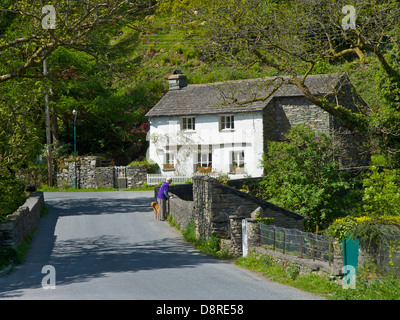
75, 113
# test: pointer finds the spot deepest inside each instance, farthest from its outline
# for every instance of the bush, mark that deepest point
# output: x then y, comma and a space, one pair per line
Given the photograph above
150, 166
13, 195
302, 176
209, 246
381, 195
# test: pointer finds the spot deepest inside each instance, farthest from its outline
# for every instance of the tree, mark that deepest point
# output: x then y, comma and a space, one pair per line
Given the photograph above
381, 194
79, 24
294, 37
301, 175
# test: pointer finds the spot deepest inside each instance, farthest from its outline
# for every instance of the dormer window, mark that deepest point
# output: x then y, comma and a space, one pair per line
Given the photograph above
188, 123
227, 122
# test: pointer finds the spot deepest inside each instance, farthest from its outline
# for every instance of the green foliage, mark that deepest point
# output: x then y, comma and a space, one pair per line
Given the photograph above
382, 288
209, 246
189, 233
288, 273
341, 228
378, 288
381, 195
151, 167
12, 195
301, 175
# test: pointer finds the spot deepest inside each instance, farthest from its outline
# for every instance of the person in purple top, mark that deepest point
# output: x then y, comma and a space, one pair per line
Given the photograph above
162, 198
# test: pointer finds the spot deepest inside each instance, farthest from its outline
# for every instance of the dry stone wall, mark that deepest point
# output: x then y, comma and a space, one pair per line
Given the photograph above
218, 209
22, 222
95, 172
216, 202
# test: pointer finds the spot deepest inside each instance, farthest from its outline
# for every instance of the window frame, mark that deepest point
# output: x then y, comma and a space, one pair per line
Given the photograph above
237, 161
201, 154
227, 122
188, 123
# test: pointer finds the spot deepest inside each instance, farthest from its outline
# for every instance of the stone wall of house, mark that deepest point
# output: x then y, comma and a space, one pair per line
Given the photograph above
283, 113
22, 222
293, 111
95, 172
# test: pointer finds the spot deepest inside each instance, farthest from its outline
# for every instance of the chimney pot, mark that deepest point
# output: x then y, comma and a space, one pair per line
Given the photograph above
177, 80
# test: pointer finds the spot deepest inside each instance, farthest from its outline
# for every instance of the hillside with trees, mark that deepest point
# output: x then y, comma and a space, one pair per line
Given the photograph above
110, 61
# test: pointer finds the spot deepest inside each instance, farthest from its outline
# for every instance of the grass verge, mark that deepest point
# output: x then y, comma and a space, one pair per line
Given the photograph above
209, 246
17, 255
379, 288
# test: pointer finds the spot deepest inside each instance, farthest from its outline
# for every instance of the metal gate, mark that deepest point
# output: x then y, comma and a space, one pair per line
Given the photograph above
350, 252
120, 179
350, 262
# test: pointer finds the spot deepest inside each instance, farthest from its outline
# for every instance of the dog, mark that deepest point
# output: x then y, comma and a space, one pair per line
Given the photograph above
155, 208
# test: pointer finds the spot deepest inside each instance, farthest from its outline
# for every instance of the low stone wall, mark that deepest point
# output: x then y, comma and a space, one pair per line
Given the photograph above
136, 176
95, 172
90, 173
216, 202
22, 222
335, 268
181, 211
218, 209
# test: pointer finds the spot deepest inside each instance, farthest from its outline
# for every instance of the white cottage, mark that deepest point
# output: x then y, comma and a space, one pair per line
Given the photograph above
224, 127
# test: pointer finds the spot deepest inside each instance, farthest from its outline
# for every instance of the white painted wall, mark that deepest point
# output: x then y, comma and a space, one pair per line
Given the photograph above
165, 133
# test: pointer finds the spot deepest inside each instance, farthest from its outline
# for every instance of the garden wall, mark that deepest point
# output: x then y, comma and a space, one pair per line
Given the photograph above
215, 203
22, 222
218, 209
95, 172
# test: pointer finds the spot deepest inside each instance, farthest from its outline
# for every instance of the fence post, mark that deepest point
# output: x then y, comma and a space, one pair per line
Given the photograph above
329, 251
244, 237
284, 241
313, 247
273, 243
301, 244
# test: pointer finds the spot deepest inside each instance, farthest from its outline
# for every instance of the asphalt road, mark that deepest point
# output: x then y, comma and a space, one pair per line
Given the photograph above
107, 245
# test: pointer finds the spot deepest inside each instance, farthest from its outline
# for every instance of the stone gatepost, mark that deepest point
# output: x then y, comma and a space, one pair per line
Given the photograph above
236, 234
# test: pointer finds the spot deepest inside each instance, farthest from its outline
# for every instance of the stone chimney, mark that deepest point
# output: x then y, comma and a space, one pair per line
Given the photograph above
177, 80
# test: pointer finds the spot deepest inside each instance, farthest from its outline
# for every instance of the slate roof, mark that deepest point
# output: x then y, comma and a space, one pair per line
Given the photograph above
202, 99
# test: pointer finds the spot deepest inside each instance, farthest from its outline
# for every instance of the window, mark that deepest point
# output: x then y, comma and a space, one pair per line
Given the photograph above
237, 161
188, 123
204, 160
169, 161
227, 122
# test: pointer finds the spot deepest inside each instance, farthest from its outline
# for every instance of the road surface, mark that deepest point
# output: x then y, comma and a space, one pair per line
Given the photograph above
107, 245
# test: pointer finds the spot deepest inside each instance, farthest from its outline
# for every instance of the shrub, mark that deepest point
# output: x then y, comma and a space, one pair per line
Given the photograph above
13, 195
381, 195
302, 176
209, 246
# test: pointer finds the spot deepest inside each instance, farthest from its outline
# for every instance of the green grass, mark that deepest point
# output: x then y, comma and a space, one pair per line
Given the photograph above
209, 246
15, 255
378, 288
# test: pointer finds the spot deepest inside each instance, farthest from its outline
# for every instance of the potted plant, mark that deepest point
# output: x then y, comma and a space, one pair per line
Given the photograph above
238, 169
203, 169
168, 166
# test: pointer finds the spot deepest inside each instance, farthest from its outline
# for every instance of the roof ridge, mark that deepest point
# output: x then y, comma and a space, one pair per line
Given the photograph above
322, 75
